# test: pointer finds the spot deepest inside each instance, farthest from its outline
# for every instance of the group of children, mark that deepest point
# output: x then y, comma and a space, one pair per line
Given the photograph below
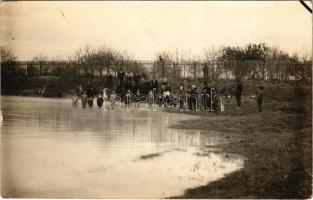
180, 98
136, 89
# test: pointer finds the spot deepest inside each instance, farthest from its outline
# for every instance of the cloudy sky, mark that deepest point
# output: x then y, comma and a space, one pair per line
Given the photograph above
145, 28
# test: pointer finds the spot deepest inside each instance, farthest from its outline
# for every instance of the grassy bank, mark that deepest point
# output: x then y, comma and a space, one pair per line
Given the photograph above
277, 144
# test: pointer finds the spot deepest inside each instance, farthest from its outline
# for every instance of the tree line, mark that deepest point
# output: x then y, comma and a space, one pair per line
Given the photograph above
252, 61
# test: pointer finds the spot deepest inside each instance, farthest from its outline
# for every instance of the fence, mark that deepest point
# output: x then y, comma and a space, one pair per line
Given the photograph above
210, 70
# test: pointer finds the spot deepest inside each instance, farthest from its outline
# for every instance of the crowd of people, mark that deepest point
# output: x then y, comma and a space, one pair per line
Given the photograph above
134, 89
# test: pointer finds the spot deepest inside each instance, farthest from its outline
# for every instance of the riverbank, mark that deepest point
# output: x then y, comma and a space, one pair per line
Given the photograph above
277, 144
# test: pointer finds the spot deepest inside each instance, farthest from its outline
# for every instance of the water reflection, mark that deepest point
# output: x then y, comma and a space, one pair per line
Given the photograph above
50, 149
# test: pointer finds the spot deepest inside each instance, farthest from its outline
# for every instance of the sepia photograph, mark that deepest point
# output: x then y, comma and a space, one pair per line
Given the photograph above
156, 99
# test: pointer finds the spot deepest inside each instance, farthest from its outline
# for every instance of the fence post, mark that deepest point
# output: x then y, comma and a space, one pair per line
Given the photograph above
226, 70
194, 70
26, 69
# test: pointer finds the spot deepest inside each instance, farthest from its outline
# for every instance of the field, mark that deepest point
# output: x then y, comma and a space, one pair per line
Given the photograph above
277, 144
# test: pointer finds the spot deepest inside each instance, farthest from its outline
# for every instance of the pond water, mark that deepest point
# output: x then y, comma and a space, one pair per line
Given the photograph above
50, 149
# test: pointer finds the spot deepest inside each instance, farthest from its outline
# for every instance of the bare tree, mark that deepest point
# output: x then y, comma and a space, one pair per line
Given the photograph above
7, 55
211, 58
164, 64
41, 60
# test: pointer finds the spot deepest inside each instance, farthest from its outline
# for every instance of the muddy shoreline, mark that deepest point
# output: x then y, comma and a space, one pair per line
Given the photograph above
277, 144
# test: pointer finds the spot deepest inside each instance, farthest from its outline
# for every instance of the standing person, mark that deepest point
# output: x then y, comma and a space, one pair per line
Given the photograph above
137, 78
163, 87
75, 100
155, 86
59, 93
133, 88
84, 99
188, 98
80, 90
150, 97
205, 96
238, 93
162, 95
182, 96
194, 98
109, 83
105, 94
143, 75
149, 85
128, 98
120, 75
100, 100
260, 98
130, 78
109, 80
218, 104
137, 98
121, 89
90, 102
127, 84
90, 95
113, 99
168, 93
142, 87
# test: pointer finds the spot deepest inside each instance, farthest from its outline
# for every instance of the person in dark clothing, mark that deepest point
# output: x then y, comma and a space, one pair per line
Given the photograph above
109, 80
129, 77
141, 86
89, 92
95, 92
217, 101
120, 75
78, 91
144, 87
155, 83
155, 86
120, 90
189, 99
182, 96
137, 78
136, 98
90, 101
205, 96
238, 93
194, 98
211, 94
100, 101
149, 85
150, 98
143, 75
127, 85
161, 98
133, 87
128, 98
163, 86
260, 98
59, 93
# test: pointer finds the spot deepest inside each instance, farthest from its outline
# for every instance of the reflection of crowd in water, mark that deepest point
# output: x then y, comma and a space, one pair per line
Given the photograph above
134, 89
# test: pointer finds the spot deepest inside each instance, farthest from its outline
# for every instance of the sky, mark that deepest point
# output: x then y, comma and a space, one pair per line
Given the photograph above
143, 29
